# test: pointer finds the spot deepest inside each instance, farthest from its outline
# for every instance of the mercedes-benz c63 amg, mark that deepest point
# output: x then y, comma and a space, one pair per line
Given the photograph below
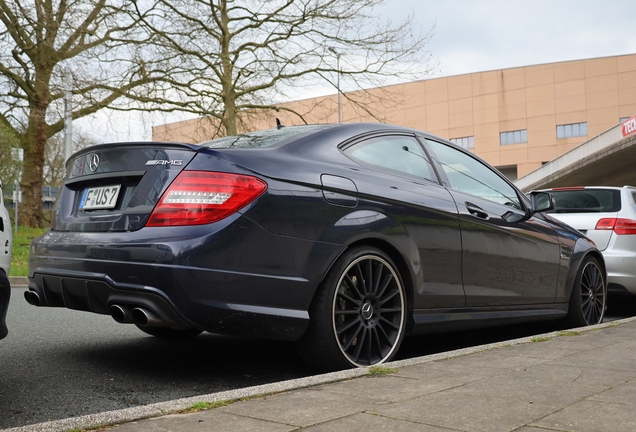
342, 238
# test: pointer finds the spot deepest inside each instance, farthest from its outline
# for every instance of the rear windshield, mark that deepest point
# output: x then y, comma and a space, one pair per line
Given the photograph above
266, 138
587, 201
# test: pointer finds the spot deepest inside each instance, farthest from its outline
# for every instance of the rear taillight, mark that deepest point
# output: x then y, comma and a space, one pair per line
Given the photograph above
201, 197
618, 225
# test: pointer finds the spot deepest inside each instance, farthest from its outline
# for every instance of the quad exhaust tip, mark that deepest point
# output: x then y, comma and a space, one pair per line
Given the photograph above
121, 314
145, 318
138, 315
32, 298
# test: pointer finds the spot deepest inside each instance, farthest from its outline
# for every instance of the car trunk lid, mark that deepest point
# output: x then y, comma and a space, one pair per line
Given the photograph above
114, 187
582, 208
586, 224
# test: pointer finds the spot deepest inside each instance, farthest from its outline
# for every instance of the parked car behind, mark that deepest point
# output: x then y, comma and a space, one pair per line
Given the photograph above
5, 264
607, 215
342, 238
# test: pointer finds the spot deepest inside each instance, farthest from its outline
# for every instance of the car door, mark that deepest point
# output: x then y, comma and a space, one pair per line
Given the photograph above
403, 177
508, 258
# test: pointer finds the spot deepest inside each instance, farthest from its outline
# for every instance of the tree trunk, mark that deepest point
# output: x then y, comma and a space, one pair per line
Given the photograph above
33, 143
229, 114
227, 81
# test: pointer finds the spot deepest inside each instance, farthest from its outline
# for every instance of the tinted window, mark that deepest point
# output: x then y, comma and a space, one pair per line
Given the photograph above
266, 138
471, 176
586, 201
572, 130
396, 154
513, 137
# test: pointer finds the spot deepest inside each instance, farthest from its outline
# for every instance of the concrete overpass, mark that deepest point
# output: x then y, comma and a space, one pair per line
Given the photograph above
606, 160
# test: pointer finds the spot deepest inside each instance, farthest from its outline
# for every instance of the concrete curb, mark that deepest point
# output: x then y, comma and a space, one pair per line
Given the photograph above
18, 281
171, 407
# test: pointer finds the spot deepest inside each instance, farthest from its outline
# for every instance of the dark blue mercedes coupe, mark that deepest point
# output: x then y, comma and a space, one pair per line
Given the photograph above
343, 238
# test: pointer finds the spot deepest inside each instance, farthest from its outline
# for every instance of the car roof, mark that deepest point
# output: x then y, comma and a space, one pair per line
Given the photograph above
295, 135
329, 133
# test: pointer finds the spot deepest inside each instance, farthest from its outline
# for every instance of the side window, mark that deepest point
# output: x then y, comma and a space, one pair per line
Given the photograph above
471, 176
394, 154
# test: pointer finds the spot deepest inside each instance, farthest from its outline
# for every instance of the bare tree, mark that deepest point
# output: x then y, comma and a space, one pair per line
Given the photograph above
54, 162
93, 48
248, 56
217, 58
10, 163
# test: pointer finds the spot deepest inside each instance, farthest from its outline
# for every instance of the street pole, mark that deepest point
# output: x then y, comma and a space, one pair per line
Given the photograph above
338, 79
68, 125
338, 84
15, 204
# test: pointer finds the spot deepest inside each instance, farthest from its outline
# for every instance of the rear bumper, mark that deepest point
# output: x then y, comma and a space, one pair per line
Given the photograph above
621, 269
97, 293
233, 279
5, 295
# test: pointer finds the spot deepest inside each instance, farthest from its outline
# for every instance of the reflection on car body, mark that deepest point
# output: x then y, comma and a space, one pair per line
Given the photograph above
342, 238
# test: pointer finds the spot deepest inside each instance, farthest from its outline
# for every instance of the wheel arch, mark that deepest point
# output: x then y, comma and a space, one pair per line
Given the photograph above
587, 306
321, 346
398, 258
582, 250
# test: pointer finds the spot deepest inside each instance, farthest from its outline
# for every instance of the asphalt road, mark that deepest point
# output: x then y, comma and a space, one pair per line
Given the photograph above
58, 363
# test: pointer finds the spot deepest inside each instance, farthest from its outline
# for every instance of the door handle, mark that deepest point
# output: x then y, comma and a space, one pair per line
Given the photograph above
477, 211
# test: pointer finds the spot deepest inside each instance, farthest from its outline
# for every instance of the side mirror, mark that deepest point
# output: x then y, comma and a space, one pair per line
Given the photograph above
541, 201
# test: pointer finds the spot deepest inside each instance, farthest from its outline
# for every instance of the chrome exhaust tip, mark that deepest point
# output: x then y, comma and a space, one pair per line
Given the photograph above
32, 298
145, 318
121, 314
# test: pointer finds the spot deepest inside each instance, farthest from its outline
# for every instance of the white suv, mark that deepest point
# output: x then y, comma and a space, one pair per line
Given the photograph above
5, 263
607, 215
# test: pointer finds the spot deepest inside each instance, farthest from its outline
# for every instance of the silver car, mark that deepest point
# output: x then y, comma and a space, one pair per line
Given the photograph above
607, 215
5, 263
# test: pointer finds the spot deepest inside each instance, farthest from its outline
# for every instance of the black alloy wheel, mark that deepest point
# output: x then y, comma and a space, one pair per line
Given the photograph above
358, 317
589, 295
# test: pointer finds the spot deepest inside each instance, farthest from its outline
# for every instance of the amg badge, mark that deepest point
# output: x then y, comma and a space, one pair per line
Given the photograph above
165, 162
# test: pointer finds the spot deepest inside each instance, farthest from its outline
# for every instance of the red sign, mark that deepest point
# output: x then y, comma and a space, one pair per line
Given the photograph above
629, 126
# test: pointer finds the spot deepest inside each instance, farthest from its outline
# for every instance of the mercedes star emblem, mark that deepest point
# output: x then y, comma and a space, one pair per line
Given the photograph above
93, 162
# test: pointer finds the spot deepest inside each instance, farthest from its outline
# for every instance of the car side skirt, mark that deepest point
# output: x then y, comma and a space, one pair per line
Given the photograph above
445, 320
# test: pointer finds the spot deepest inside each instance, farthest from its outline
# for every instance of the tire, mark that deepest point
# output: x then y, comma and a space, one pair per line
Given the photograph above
588, 300
358, 315
169, 333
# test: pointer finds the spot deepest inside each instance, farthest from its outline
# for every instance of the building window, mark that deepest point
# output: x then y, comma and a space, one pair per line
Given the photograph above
513, 137
572, 130
465, 142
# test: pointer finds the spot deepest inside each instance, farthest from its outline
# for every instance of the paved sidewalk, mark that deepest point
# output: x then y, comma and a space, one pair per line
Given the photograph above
583, 380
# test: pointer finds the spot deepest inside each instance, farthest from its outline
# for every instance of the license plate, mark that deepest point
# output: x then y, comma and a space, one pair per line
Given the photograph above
103, 197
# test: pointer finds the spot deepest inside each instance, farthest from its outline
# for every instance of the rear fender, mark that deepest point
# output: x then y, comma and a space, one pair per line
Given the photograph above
372, 228
377, 229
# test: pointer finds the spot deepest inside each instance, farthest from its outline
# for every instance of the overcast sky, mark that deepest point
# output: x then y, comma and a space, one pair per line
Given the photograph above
481, 35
